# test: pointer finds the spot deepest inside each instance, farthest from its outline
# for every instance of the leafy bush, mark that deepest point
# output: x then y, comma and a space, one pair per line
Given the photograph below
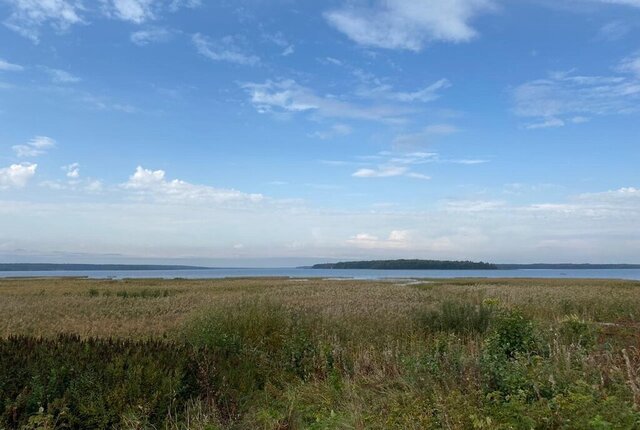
511, 334
92, 383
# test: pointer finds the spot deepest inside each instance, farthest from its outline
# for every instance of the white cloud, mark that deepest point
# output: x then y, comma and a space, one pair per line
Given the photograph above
36, 146
137, 11
28, 16
61, 76
178, 4
591, 227
151, 35
614, 30
9, 67
395, 164
288, 51
225, 49
427, 94
566, 97
547, 123
72, 170
630, 64
17, 175
289, 96
381, 172
397, 239
336, 130
401, 24
153, 183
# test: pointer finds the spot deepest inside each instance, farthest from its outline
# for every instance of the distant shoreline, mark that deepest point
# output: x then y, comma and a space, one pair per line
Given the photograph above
55, 267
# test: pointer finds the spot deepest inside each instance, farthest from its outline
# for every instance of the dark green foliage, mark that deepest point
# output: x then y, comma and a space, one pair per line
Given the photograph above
574, 330
255, 346
408, 265
458, 317
511, 333
93, 383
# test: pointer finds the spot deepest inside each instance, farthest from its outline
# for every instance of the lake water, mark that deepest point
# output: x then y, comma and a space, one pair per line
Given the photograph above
333, 273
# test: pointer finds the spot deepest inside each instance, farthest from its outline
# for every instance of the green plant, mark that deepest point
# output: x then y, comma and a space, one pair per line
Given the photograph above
574, 330
458, 317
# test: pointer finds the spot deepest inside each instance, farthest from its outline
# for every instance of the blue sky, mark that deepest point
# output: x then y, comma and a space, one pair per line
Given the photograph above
248, 131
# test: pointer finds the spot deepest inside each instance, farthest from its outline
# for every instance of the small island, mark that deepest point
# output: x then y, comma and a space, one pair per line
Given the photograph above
408, 265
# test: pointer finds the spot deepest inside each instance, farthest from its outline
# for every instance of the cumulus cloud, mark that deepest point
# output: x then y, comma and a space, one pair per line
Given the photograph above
401, 24
17, 175
153, 183
27, 16
36, 146
226, 49
9, 67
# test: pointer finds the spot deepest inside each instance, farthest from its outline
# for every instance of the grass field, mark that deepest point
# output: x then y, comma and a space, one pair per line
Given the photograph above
291, 353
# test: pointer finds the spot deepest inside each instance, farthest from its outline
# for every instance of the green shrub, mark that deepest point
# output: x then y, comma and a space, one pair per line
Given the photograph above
458, 317
511, 334
93, 383
574, 330
256, 345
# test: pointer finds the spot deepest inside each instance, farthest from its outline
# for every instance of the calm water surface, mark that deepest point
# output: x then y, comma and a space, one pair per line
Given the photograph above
332, 273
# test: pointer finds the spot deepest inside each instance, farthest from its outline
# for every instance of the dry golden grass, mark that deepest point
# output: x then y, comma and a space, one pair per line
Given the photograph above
374, 356
46, 307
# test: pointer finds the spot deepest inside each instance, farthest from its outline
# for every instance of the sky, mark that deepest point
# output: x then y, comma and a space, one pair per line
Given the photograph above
281, 131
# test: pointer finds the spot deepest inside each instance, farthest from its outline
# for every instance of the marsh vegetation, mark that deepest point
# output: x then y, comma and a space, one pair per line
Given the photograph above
293, 354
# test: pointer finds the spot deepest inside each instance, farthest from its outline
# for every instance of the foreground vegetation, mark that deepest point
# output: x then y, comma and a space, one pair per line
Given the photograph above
289, 354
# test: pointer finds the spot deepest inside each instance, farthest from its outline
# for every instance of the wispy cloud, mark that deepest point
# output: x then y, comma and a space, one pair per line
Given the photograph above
36, 146
427, 135
567, 97
10, 67
289, 96
17, 175
137, 11
61, 76
400, 24
226, 49
631, 64
150, 35
335, 130
386, 92
393, 165
27, 16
